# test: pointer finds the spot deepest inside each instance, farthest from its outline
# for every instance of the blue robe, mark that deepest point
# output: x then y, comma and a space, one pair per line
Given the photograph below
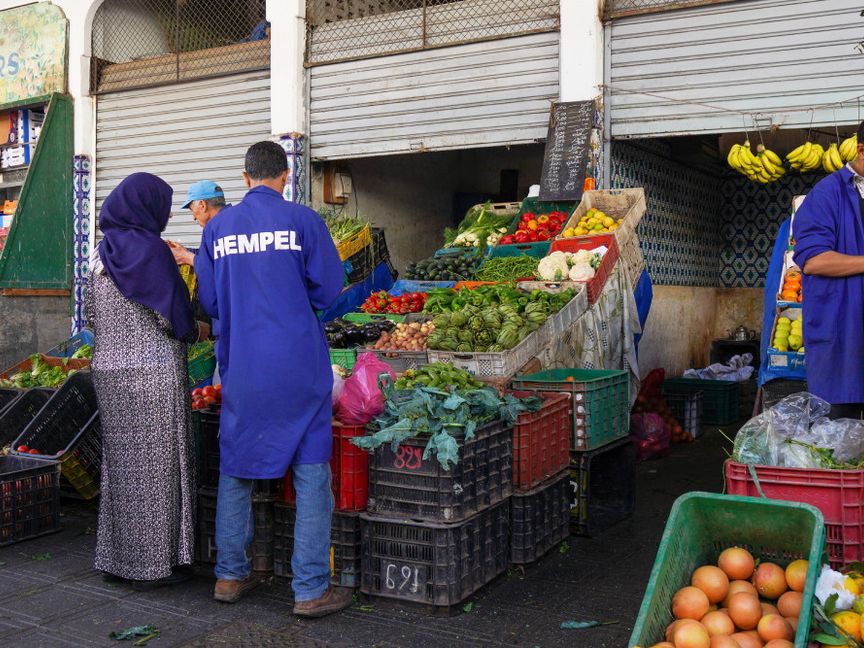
830, 220
265, 266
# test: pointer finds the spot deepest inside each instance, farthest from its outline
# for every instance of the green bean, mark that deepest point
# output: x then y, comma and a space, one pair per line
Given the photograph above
503, 269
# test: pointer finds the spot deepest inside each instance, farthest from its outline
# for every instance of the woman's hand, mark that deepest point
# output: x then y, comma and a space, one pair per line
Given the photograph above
203, 331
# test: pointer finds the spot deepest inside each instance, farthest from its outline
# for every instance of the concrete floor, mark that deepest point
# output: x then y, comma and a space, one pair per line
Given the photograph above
62, 601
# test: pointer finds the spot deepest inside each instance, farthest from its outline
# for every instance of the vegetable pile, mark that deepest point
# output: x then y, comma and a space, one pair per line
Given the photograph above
345, 335
533, 229
566, 266
480, 228
206, 397
455, 267
382, 302
84, 352
343, 227
446, 300
438, 375
405, 337
447, 417
40, 374
505, 269
491, 329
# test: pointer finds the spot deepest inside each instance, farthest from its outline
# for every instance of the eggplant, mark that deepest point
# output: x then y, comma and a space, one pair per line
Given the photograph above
354, 335
337, 340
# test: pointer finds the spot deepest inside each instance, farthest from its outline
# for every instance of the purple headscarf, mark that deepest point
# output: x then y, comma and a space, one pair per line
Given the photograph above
136, 258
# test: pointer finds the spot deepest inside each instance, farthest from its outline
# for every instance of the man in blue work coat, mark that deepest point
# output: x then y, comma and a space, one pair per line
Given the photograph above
829, 248
264, 267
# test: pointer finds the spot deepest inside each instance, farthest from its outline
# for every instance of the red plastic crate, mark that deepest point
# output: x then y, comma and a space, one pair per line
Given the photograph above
350, 468
595, 285
541, 440
839, 494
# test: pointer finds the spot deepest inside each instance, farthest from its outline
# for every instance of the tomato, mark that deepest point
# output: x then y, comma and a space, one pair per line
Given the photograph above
521, 237
23, 449
33, 451
533, 237
196, 392
209, 400
218, 388
208, 391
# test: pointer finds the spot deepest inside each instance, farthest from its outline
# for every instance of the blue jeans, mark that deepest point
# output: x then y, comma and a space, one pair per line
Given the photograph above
235, 528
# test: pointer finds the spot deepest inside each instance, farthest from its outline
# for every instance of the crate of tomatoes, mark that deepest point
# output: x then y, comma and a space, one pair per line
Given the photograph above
206, 397
382, 302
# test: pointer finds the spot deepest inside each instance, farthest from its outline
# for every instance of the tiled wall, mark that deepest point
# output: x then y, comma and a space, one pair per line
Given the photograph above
680, 233
751, 214
701, 229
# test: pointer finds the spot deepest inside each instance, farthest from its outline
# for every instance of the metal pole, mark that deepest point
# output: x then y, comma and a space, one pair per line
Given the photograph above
424, 24
177, 37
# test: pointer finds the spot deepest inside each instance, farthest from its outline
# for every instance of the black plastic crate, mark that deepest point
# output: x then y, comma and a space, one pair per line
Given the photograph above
262, 543
7, 396
402, 484
359, 266
433, 563
380, 252
687, 410
539, 519
344, 544
20, 412
774, 391
602, 487
206, 423
29, 498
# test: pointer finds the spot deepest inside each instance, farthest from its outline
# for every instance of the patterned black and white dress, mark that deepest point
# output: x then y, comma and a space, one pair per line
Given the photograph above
147, 506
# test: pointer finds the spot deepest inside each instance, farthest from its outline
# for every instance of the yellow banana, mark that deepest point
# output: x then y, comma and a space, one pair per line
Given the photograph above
847, 147
775, 159
813, 160
732, 157
748, 154
769, 166
798, 155
826, 164
836, 160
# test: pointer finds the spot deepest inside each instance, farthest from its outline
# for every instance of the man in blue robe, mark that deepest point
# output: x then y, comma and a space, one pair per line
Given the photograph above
829, 248
265, 266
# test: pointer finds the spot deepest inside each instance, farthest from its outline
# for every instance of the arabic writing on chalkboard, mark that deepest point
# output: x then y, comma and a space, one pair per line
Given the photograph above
568, 145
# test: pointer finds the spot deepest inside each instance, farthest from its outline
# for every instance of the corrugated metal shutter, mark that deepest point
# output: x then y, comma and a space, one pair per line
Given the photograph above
482, 94
754, 56
182, 133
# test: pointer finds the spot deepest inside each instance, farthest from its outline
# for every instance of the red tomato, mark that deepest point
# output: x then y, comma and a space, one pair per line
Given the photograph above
196, 392
208, 391
533, 237
209, 400
33, 451
23, 448
218, 388
521, 237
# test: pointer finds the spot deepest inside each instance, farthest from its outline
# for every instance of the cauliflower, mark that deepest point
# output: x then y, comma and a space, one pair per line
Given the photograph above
582, 257
581, 272
553, 267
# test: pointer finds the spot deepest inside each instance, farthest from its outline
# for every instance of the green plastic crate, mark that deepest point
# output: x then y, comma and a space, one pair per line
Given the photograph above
601, 402
345, 358
365, 318
536, 250
701, 525
721, 400
202, 367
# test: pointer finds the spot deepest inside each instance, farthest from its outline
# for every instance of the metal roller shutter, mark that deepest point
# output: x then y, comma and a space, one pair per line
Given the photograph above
482, 94
182, 133
754, 56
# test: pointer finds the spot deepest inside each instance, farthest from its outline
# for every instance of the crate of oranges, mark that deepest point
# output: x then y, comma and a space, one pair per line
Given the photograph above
790, 289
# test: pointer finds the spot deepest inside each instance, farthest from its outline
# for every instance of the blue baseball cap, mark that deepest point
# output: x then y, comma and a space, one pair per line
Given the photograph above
203, 190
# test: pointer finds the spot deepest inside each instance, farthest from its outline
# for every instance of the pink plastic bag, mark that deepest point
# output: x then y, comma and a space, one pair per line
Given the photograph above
650, 435
361, 400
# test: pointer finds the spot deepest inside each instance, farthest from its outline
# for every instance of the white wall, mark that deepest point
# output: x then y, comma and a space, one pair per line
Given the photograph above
581, 49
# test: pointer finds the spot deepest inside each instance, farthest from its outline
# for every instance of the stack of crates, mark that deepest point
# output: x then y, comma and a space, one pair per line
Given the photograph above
433, 536
602, 471
350, 469
540, 508
263, 499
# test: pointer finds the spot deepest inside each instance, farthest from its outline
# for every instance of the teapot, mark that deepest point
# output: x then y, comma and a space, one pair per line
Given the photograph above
742, 334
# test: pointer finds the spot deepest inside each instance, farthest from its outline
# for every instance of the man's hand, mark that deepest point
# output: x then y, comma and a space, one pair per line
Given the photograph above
834, 264
203, 331
181, 255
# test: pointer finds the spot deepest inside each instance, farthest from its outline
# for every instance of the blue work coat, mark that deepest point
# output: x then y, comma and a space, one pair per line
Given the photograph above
830, 220
264, 267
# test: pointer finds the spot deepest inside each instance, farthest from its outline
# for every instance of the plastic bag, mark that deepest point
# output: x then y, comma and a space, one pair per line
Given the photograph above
338, 383
737, 369
650, 435
361, 399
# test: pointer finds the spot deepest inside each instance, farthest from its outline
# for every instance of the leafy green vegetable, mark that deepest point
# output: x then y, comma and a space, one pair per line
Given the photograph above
342, 226
84, 352
446, 417
41, 374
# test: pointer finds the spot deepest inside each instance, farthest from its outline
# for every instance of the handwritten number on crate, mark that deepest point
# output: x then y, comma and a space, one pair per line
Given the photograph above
408, 458
405, 579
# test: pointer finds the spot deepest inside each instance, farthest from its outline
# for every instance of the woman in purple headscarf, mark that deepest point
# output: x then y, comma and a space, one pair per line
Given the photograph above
139, 309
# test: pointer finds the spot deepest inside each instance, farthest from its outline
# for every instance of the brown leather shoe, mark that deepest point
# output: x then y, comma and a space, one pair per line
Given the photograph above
333, 600
230, 591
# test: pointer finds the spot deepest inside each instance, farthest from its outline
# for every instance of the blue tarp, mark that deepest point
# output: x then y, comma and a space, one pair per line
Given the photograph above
354, 295
643, 293
769, 305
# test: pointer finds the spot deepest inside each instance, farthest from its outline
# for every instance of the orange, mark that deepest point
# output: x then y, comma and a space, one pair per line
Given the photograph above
789, 295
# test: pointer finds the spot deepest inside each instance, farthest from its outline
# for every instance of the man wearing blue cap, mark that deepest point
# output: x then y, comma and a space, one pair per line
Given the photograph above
204, 199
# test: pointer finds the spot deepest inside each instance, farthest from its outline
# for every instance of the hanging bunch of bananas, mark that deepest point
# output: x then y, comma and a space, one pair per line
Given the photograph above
832, 160
764, 168
849, 148
806, 157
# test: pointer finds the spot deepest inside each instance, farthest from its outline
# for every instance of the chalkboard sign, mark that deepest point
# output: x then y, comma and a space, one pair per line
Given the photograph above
568, 145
